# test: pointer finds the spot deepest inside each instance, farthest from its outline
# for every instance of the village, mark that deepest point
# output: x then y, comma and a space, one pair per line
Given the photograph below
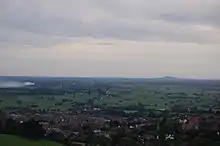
145, 130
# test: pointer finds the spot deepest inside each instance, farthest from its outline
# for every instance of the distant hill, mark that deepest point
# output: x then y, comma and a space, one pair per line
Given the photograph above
10, 140
167, 78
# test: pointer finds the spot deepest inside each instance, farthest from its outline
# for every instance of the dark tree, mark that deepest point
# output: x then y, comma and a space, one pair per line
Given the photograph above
128, 141
94, 140
32, 129
56, 136
12, 127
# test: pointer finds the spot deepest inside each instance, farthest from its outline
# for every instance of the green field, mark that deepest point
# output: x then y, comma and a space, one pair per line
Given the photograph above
151, 96
9, 140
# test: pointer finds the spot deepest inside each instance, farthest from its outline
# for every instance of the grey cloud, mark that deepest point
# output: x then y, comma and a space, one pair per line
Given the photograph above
181, 10
211, 17
36, 22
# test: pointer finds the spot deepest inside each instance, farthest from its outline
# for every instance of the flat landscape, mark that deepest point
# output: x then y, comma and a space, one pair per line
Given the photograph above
62, 94
109, 111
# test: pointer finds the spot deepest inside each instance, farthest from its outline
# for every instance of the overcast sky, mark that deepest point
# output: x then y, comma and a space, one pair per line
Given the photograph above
129, 38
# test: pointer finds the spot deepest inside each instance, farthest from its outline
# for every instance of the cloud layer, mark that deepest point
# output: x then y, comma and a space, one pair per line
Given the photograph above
101, 37
25, 21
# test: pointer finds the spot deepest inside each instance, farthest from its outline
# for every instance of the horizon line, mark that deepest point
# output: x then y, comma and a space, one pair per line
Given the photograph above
151, 77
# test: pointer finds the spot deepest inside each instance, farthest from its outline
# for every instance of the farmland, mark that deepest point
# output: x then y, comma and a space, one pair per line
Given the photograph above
163, 93
104, 111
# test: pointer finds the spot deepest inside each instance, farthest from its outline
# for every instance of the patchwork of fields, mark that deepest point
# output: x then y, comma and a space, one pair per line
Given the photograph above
151, 96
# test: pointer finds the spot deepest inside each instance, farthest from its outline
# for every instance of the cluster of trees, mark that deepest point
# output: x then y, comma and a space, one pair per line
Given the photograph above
29, 129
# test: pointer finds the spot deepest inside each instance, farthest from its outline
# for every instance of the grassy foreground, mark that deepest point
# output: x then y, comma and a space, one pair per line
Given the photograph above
9, 140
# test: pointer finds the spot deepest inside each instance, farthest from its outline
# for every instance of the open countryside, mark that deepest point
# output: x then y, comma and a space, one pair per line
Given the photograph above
104, 111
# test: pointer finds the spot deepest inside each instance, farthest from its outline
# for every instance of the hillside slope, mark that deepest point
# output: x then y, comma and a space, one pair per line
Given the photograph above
9, 140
